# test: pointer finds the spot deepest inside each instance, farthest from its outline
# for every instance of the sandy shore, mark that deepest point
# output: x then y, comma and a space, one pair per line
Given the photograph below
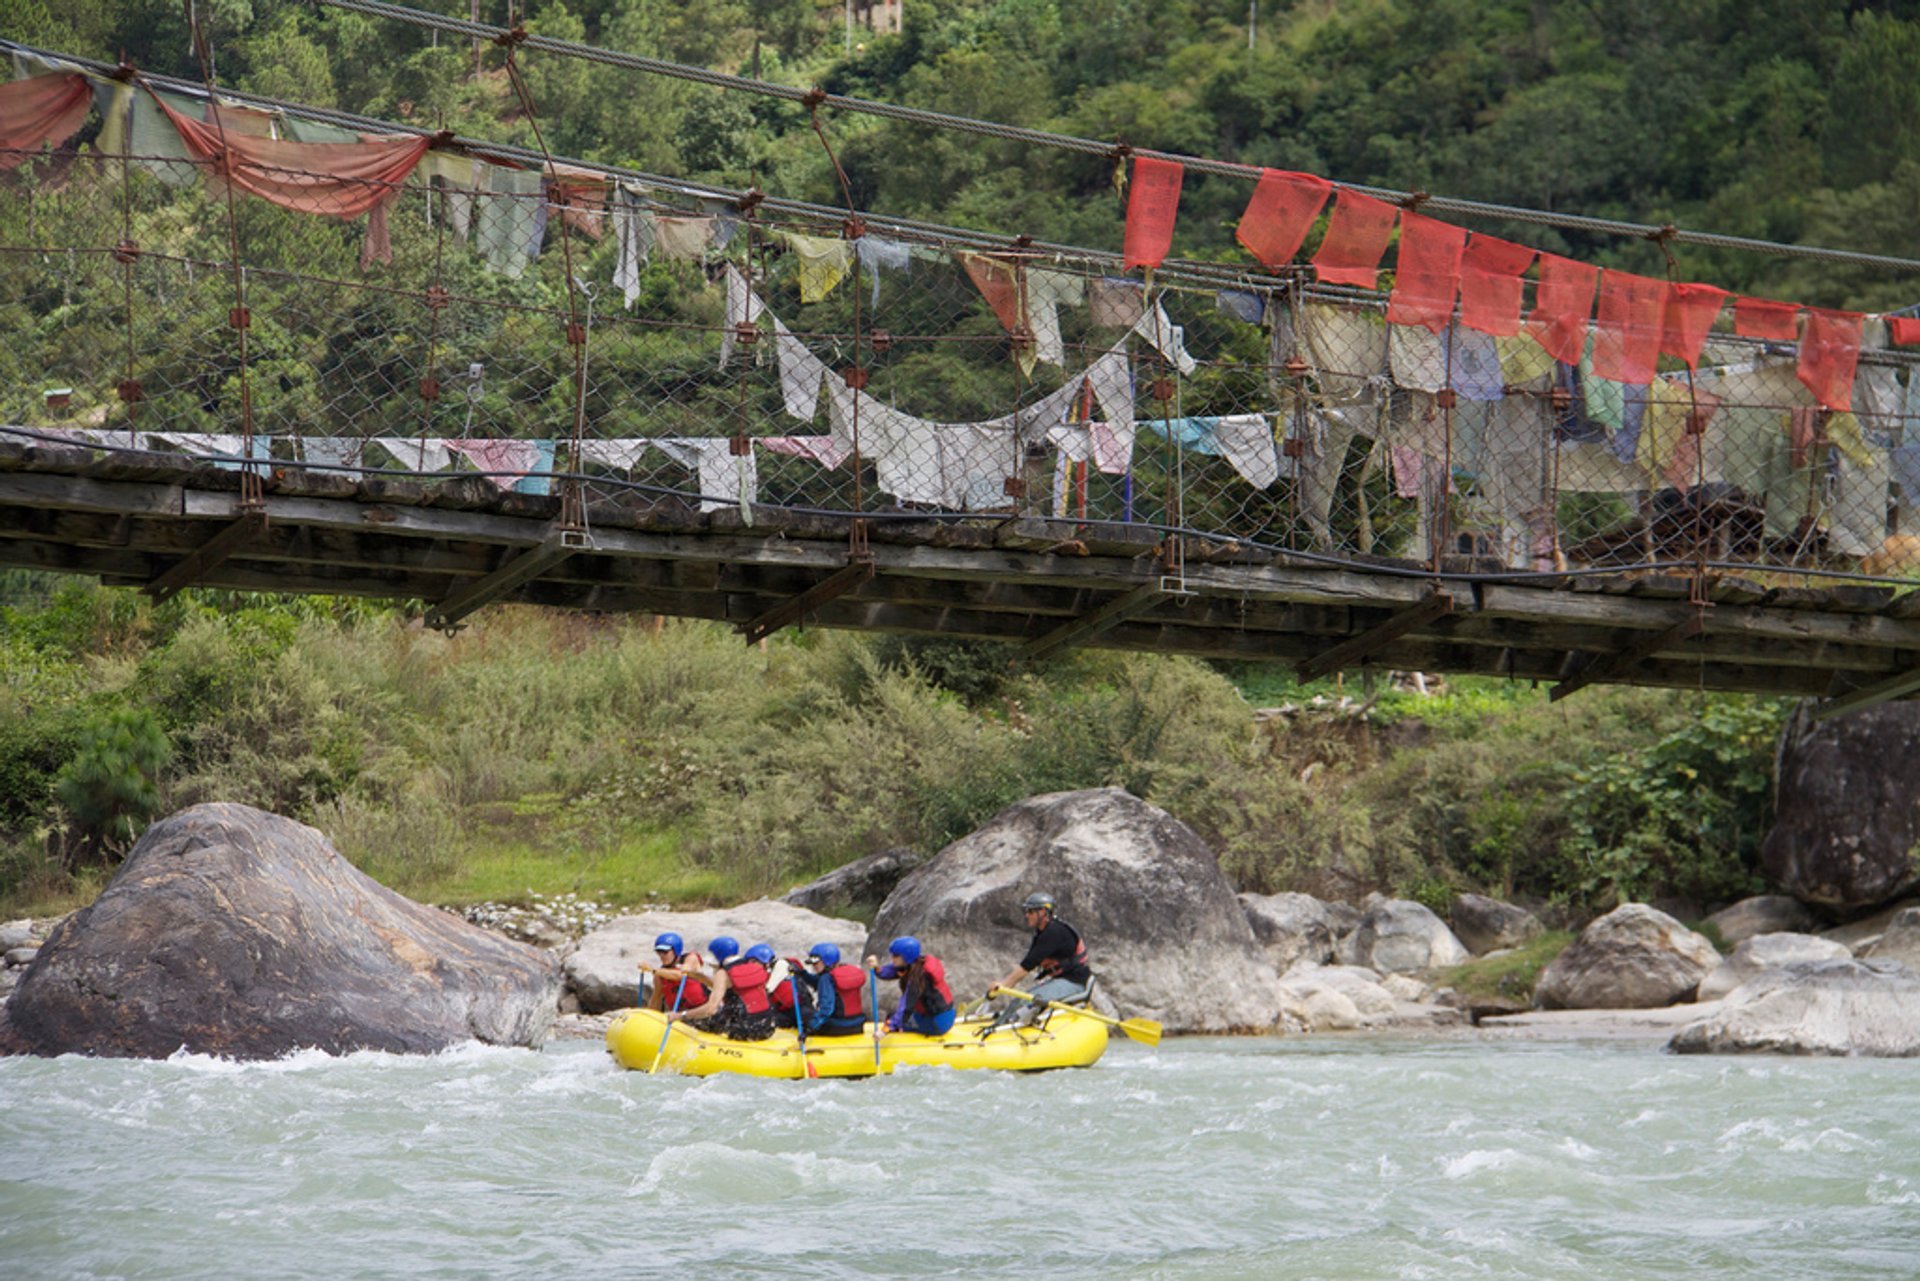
1608, 1025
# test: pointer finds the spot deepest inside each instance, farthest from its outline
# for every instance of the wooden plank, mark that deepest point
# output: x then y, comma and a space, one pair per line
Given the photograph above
185, 573
76, 493
519, 568
1114, 612
1411, 618
795, 609
1608, 667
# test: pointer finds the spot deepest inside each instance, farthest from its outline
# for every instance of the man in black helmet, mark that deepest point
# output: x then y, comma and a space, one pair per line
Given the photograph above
1057, 954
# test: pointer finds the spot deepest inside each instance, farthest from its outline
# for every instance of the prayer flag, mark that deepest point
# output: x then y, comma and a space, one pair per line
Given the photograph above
1691, 311
998, 283
39, 110
1357, 235
1426, 275
1829, 351
1562, 302
1491, 285
1903, 331
1627, 327
1762, 318
1280, 214
1152, 205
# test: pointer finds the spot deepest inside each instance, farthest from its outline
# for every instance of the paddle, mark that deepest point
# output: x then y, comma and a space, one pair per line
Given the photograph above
1145, 1031
677, 994
873, 1004
800, 1029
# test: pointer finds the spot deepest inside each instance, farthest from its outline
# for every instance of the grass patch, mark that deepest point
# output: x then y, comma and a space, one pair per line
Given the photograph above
1510, 975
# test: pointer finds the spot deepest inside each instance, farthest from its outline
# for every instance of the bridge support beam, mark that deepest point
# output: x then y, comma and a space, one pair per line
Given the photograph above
1106, 617
250, 526
517, 571
832, 587
1604, 667
1374, 639
1882, 691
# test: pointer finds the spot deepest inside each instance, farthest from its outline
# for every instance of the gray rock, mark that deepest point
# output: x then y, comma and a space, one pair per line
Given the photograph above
1765, 952
1343, 918
1401, 936
236, 932
1847, 811
1292, 927
1487, 925
1339, 998
17, 956
1164, 930
1900, 942
604, 971
1863, 932
1632, 958
1823, 1007
16, 934
861, 885
1762, 914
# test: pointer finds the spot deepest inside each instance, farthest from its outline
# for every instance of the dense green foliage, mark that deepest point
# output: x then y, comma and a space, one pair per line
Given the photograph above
1795, 120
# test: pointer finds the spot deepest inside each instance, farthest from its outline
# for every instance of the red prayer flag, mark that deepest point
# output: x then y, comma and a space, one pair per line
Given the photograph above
999, 284
1562, 302
1357, 235
1627, 326
1762, 318
1280, 214
1491, 285
334, 179
1152, 205
1903, 331
39, 110
1829, 350
1426, 276
1691, 311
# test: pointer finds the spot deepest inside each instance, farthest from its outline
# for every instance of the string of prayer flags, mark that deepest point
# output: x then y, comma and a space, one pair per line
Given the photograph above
1490, 284
1563, 300
1357, 235
1627, 327
1152, 205
1829, 353
1426, 275
1281, 213
1764, 318
1691, 311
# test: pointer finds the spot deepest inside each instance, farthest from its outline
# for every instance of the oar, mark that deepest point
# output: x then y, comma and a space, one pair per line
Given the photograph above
677, 994
800, 1029
873, 1009
1145, 1031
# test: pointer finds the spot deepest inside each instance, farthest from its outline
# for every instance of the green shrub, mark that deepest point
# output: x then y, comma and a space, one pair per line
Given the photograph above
109, 786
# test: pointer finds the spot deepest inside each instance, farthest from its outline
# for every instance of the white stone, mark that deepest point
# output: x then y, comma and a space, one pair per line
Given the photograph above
1765, 952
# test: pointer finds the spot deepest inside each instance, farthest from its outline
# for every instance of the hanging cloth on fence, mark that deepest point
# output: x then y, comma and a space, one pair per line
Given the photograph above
1763, 318
634, 230
1357, 235
377, 244
1562, 303
830, 450
878, 254
1627, 327
1903, 331
725, 479
998, 282
416, 455
334, 180
1153, 203
331, 453
1690, 312
40, 110
821, 262
620, 455
800, 373
1522, 360
504, 461
1046, 292
1426, 275
1665, 446
227, 452
1346, 348
1108, 446
1167, 338
579, 196
1112, 383
1280, 214
743, 307
682, 238
1490, 284
1115, 302
1245, 441
510, 209
539, 483
1829, 352
1241, 304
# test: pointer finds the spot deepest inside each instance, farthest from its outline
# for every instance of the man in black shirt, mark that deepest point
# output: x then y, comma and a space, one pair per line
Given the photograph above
1057, 954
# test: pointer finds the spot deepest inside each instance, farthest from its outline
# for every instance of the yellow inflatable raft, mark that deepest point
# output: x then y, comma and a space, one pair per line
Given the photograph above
1067, 1040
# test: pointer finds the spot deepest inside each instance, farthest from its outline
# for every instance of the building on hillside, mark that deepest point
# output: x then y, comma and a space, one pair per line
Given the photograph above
882, 17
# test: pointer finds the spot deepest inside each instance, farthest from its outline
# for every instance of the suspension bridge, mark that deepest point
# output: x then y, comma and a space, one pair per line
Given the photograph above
494, 375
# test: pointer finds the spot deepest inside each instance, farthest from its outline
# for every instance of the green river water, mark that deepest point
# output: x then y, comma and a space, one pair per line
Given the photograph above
1283, 1157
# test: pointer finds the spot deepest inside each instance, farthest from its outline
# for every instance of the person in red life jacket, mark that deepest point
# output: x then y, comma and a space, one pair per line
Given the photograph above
839, 993
737, 1006
926, 1002
1057, 954
792, 986
676, 976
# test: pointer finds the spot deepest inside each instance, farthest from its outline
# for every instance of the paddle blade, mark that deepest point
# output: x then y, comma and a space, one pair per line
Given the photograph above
1145, 1031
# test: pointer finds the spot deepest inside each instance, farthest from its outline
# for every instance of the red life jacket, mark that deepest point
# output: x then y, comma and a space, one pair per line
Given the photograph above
690, 992
850, 987
936, 997
747, 983
781, 994
1052, 966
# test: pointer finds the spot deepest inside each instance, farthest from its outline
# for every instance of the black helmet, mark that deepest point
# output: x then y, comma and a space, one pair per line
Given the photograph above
1038, 901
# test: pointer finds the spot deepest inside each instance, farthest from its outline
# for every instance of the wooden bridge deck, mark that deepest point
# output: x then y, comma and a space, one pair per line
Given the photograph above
163, 522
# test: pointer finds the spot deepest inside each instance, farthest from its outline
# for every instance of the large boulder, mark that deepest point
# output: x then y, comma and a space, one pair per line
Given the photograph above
604, 971
1485, 924
1847, 812
1633, 958
1292, 927
1765, 952
1900, 942
1824, 1007
1163, 928
861, 884
236, 932
1761, 914
1400, 936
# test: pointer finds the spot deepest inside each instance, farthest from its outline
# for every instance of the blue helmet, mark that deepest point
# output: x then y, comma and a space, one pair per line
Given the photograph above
906, 947
762, 953
828, 954
670, 942
723, 947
